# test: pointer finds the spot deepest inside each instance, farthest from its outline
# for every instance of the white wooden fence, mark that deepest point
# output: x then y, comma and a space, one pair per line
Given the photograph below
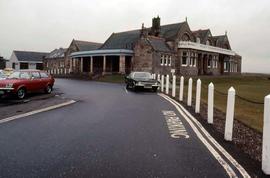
228, 134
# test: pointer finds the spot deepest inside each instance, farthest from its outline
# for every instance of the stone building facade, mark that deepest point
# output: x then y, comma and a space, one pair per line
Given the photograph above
54, 62
163, 49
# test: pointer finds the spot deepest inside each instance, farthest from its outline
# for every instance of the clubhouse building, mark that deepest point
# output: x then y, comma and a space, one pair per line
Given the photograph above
161, 49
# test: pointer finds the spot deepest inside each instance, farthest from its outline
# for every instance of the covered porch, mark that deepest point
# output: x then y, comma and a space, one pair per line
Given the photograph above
111, 61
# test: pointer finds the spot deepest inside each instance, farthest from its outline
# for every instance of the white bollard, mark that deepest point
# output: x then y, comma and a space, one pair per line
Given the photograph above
189, 99
181, 90
266, 137
173, 86
229, 114
162, 83
198, 96
158, 77
210, 103
167, 84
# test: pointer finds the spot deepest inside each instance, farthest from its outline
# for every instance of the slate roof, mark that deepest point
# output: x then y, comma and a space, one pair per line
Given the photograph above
170, 31
220, 40
159, 44
56, 53
122, 40
87, 45
127, 39
30, 56
202, 34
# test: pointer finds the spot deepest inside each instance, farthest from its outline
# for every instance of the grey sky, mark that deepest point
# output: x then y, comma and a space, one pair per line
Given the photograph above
43, 25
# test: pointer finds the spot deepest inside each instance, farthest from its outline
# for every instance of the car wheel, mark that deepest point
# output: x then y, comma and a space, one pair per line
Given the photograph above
21, 93
155, 89
127, 86
48, 89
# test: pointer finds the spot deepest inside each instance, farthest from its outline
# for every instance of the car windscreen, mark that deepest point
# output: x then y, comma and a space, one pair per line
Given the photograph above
19, 75
142, 75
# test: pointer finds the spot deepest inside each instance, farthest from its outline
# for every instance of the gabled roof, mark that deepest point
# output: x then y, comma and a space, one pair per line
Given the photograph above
122, 40
202, 34
87, 45
170, 31
30, 56
57, 53
221, 40
158, 44
127, 39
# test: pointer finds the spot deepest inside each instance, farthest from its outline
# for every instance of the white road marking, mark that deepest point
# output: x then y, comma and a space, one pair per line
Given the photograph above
36, 111
185, 113
175, 125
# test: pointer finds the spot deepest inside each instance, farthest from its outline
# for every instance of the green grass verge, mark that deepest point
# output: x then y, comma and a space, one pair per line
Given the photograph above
116, 78
253, 88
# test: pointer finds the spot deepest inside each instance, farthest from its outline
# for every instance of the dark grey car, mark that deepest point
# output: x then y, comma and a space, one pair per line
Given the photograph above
143, 80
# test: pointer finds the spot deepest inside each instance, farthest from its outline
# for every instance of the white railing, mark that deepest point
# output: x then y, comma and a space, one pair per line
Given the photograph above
202, 47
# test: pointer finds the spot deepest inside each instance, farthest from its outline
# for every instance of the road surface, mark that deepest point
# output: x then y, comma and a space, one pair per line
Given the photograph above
108, 132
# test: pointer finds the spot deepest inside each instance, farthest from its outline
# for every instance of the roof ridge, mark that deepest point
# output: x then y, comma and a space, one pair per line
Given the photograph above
87, 41
29, 51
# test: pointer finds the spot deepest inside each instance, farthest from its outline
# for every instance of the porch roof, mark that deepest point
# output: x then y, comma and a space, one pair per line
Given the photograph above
103, 52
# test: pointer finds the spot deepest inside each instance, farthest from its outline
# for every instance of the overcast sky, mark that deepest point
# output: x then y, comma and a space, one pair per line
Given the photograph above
43, 25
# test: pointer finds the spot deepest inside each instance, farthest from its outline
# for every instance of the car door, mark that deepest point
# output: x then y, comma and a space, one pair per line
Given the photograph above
44, 79
36, 83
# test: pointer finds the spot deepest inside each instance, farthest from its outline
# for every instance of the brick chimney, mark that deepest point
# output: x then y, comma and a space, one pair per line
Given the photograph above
155, 29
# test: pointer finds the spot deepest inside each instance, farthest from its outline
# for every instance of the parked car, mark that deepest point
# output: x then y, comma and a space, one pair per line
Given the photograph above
22, 82
8, 71
2, 75
136, 80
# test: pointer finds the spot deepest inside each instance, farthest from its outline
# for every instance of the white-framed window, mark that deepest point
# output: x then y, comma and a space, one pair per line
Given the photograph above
166, 60
226, 67
162, 60
209, 63
169, 60
184, 61
198, 40
194, 62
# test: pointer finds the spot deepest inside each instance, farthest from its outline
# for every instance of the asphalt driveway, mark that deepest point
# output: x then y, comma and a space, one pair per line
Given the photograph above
109, 132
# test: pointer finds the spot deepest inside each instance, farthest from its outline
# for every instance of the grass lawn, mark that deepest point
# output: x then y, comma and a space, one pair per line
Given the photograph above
254, 88
117, 78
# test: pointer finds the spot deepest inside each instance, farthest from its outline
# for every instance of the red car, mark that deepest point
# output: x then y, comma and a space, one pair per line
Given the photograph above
22, 82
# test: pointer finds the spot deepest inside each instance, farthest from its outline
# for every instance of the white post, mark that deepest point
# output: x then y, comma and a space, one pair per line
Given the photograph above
162, 83
154, 76
181, 88
173, 86
167, 84
198, 96
210, 103
158, 77
266, 137
189, 100
229, 114
91, 64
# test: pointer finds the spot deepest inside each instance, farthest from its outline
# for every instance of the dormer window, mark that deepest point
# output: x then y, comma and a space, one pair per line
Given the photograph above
198, 40
207, 42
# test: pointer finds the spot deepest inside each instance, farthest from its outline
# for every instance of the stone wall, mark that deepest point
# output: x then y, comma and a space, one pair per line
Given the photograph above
143, 56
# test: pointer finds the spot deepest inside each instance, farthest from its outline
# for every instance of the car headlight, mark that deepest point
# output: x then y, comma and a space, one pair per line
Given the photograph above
139, 83
9, 85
